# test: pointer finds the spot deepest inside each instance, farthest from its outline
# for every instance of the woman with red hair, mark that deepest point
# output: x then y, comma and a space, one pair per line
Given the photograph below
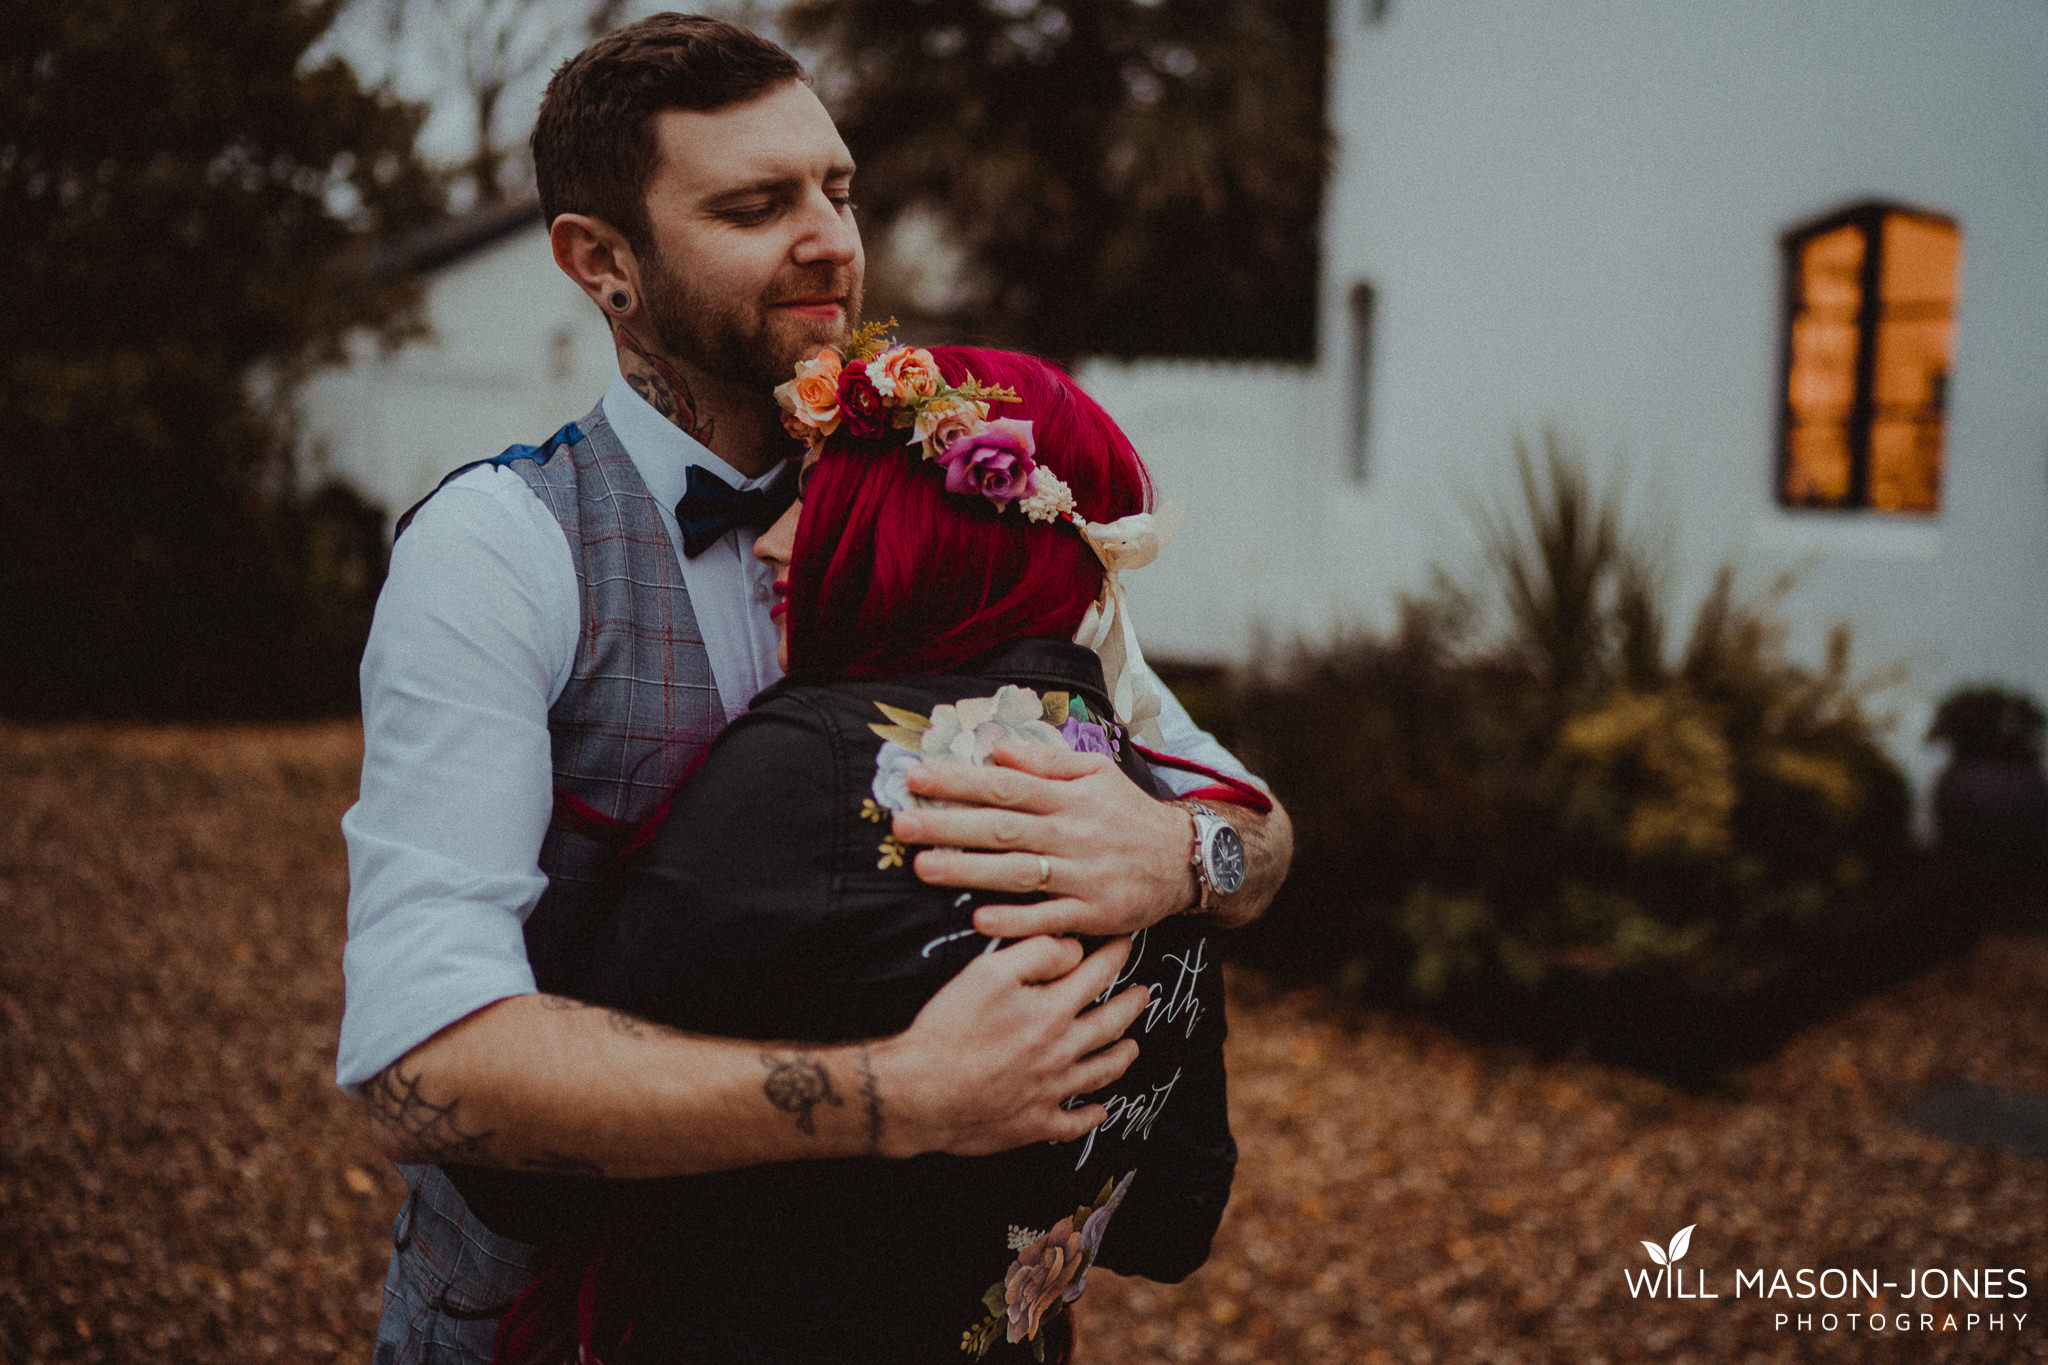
893, 574
957, 512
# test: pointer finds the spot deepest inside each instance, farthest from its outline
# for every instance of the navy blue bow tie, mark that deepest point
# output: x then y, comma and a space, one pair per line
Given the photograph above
711, 507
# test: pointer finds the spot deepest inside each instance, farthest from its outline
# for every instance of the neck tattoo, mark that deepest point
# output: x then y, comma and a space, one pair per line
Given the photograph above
662, 385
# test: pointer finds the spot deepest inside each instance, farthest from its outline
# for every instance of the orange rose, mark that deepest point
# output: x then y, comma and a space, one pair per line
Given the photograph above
813, 396
905, 374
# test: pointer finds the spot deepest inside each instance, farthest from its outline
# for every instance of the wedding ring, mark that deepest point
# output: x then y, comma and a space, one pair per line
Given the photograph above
1044, 873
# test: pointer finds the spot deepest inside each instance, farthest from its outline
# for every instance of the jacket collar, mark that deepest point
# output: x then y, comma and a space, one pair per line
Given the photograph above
1046, 665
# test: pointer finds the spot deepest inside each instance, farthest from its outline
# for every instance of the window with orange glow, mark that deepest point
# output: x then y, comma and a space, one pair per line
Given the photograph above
1869, 333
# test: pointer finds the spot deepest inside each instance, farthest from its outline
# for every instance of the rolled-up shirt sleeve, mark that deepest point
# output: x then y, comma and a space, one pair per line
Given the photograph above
474, 638
1182, 738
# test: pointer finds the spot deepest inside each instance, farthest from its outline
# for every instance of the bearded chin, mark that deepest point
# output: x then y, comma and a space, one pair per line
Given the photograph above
738, 344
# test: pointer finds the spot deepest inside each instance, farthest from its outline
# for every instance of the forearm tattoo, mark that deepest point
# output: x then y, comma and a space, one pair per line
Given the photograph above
428, 1133
661, 384
798, 1084
618, 1021
872, 1093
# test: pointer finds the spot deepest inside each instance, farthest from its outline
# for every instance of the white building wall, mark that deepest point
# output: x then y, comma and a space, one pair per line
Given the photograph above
1227, 442
1572, 211
516, 350
1571, 214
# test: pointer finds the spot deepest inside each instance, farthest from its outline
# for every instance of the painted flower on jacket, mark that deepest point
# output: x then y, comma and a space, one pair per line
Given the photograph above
968, 731
1049, 1273
1086, 736
892, 766
1039, 1277
1092, 1232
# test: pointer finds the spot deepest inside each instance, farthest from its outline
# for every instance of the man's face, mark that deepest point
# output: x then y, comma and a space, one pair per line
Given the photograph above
756, 259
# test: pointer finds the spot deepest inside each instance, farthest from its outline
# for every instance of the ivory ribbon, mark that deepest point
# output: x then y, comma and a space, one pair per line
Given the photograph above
1127, 543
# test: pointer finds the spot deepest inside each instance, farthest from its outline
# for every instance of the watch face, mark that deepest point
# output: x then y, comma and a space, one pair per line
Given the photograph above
1226, 860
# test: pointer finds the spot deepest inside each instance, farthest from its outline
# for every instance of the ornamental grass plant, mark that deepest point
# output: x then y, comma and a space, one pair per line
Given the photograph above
1528, 807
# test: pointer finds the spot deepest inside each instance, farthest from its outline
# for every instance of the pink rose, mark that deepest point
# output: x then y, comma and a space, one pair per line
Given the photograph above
996, 462
860, 405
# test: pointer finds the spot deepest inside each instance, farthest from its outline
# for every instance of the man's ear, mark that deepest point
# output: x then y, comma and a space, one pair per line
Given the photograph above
595, 255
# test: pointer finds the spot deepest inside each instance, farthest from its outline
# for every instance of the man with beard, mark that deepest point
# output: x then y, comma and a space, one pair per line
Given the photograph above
566, 627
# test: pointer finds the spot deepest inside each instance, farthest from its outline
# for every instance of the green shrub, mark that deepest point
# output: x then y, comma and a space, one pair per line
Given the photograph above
1482, 806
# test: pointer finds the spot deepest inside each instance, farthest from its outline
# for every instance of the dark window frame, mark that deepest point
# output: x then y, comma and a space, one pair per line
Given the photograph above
1868, 215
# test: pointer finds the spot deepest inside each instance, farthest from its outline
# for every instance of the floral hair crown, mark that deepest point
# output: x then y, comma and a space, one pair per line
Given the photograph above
879, 391
885, 394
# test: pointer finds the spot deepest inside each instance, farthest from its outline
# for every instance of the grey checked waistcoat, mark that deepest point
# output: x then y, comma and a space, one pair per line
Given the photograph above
638, 710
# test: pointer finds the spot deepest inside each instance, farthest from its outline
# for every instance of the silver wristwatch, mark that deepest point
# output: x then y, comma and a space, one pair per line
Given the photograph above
1218, 855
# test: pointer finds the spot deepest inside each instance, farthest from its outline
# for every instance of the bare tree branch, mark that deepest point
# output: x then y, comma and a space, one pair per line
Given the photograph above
485, 48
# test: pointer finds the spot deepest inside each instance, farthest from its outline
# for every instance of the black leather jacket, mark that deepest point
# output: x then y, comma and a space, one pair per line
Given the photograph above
768, 907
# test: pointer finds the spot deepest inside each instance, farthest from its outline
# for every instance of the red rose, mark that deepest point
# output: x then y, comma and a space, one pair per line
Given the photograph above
859, 404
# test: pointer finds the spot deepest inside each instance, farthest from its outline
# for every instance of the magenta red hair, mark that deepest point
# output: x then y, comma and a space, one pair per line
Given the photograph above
891, 574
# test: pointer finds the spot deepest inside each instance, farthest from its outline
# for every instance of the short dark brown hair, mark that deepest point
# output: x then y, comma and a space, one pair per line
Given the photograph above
594, 148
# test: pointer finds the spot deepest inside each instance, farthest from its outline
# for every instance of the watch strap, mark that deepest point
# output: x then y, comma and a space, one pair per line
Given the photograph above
1203, 820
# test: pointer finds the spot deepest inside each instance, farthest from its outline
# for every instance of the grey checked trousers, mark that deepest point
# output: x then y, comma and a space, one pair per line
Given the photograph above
451, 1278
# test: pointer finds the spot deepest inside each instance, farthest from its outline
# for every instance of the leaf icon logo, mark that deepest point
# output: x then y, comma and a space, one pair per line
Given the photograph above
1681, 1241
1676, 1252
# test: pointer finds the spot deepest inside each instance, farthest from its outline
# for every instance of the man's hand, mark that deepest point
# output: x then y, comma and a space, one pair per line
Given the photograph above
1115, 859
991, 1059
1119, 860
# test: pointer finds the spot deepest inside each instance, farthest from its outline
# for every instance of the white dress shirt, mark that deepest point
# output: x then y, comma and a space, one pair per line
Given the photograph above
474, 638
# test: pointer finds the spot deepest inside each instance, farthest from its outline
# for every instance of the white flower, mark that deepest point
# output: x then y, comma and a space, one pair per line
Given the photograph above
969, 730
1050, 499
884, 383
937, 743
1018, 706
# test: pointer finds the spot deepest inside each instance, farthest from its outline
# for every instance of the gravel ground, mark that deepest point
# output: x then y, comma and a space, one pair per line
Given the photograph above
179, 1180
